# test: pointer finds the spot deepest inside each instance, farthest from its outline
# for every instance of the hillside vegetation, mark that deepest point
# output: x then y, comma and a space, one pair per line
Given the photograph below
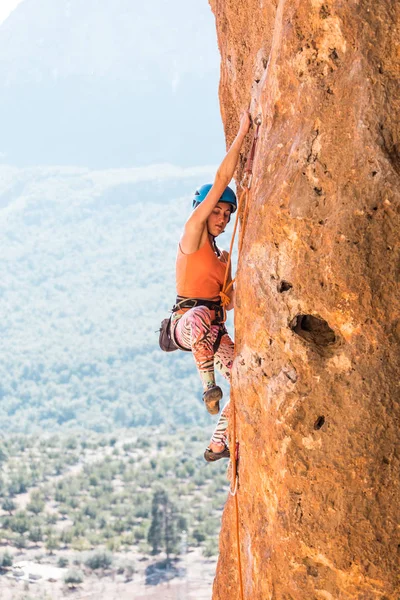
87, 273
107, 505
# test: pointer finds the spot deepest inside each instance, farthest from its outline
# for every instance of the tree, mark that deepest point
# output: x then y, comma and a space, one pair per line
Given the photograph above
199, 535
9, 505
3, 455
20, 542
19, 483
6, 560
66, 536
163, 533
51, 544
35, 535
20, 523
73, 577
36, 505
99, 560
62, 562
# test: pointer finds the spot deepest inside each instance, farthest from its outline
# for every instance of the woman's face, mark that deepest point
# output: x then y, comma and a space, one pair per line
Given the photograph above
219, 218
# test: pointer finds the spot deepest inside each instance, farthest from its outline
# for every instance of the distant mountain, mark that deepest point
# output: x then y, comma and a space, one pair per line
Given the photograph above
106, 84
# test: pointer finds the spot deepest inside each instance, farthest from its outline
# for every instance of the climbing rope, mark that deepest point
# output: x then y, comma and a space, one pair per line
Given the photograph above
243, 210
243, 200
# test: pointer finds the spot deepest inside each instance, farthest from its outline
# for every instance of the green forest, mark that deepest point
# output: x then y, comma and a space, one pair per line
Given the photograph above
86, 277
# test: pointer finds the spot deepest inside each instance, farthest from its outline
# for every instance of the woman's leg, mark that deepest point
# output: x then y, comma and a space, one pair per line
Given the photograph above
194, 330
223, 360
219, 439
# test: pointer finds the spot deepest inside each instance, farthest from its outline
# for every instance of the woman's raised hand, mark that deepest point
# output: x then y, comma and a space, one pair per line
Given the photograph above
245, 122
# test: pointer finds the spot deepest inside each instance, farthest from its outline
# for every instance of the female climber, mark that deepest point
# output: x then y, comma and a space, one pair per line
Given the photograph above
200, 271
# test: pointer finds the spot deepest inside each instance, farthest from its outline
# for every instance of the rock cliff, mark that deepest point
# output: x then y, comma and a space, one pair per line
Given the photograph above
316, 378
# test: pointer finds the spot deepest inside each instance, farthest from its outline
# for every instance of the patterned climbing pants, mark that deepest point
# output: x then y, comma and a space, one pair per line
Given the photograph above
194, 330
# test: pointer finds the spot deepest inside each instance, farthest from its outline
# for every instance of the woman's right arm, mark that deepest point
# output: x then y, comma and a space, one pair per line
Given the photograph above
194, 227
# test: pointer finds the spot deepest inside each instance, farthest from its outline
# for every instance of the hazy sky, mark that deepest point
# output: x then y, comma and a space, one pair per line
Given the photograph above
7, 6
75, 98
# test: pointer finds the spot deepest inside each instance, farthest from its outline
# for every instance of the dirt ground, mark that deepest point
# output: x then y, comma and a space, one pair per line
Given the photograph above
28, 580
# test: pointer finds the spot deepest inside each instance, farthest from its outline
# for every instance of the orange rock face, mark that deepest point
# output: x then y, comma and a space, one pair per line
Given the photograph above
317, 375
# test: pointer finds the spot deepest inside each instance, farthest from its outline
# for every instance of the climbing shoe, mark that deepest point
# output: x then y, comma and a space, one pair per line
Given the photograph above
211, 398
211, 456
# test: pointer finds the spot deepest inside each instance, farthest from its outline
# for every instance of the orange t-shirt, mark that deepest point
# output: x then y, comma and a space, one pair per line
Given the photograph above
200, 274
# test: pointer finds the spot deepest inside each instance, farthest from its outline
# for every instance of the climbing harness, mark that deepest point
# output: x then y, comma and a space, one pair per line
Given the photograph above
243, 210
167, 340
188, 303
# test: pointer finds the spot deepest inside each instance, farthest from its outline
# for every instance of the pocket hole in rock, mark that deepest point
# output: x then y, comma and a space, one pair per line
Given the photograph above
313, 329
284, 286
319, 422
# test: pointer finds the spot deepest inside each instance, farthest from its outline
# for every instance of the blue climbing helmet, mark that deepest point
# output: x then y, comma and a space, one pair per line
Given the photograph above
228, 196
